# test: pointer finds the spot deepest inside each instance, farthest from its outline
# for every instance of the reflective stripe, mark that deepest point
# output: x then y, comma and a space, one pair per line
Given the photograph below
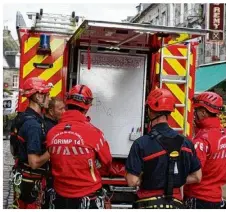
81, 151
58, 150
101, 142
187, 150
98, 147
66, 151
74, 150
157, 154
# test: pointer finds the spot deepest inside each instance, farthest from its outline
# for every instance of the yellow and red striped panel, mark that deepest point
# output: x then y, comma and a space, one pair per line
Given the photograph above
56, 75
178, 67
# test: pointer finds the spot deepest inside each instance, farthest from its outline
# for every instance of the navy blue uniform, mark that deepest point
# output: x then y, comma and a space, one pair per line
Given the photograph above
148, 157
49, 123
33, 133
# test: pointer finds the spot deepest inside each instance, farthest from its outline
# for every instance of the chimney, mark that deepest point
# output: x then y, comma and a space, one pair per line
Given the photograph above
6, 31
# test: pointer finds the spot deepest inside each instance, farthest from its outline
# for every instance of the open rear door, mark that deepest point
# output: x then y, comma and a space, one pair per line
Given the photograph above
112, 35
115, 68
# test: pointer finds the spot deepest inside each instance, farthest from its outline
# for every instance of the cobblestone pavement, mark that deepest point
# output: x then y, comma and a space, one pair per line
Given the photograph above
7, 167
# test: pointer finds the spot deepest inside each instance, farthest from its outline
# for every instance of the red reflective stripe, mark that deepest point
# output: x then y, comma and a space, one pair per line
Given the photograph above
114, 182
20, 138
163, 152
32, 176
187, 150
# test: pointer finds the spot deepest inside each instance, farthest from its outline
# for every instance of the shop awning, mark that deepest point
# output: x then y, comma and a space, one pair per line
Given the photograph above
208, 76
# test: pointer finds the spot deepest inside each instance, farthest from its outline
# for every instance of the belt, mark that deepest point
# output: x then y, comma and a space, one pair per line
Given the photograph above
158, 202
27, 171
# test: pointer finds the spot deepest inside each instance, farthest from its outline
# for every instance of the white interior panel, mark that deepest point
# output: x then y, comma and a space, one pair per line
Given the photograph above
117, 82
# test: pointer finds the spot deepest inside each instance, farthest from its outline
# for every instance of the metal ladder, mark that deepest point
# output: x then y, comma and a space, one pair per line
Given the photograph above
63, 24
173, 79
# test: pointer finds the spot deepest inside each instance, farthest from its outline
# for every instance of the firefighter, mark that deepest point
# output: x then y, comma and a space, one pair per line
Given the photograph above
162, 161
74, 145
210, 145
54, 112
27, 146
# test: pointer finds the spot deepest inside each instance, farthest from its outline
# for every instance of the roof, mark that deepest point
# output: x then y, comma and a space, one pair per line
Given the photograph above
143, 13
10, 48
208, 76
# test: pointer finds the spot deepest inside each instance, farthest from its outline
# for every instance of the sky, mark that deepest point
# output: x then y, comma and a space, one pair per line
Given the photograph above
96, 11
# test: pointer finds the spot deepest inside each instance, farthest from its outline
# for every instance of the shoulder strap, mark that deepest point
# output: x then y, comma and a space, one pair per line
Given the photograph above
173, 152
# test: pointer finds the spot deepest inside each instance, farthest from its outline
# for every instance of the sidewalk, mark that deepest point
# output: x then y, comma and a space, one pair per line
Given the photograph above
7, 167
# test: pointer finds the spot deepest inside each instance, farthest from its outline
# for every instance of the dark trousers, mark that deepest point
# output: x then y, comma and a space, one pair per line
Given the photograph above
201, 204
93, 202
194, 203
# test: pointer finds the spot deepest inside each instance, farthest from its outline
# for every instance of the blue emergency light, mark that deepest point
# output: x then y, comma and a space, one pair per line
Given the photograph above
44, 47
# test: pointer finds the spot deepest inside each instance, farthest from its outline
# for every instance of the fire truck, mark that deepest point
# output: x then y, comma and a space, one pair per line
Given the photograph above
121, 63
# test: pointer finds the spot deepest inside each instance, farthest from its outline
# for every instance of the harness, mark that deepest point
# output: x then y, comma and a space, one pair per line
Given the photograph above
172, 146
29, 185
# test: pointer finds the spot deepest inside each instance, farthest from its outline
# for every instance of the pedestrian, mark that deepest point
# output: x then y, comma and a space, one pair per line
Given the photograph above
27, 146
52, 115
74, 145
210, 145
162, 161
54, 112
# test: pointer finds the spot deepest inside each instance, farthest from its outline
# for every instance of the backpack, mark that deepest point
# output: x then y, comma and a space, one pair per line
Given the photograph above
173, 152
15, 140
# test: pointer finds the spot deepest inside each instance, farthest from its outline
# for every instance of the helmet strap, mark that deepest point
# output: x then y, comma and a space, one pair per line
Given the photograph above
151, 120
40, 104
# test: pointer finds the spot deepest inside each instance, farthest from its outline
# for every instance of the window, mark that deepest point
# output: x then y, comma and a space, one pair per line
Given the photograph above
157, 20
164, 18
185, 7
15, 81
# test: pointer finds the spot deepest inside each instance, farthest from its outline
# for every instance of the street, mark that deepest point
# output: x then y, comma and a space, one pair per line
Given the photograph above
7, 167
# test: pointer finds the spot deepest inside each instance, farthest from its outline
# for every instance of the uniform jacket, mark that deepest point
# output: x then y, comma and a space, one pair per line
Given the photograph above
210, 145
75, 145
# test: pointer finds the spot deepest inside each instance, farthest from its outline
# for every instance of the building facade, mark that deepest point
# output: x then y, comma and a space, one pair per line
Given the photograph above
11, 58
183, 15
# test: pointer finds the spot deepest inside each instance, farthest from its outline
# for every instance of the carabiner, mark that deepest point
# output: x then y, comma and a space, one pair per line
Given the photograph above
17, 178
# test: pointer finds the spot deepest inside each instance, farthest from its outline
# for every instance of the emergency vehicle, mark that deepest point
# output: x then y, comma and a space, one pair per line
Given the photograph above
121, 63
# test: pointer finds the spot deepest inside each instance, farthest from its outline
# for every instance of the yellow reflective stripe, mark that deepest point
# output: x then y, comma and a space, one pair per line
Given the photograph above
157, 68
148, 199
174, 63
183, 37
48, 73
56, 89
176, 90
30, 43
183, 51
178, 117
55, 44
23, 99
29, 67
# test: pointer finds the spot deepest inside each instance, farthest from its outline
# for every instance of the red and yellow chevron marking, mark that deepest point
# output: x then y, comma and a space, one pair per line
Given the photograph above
178, 67
29, 46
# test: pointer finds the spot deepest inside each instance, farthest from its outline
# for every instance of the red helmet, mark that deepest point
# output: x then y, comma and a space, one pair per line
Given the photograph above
34, 85
209, 100
81, 96
161, 100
